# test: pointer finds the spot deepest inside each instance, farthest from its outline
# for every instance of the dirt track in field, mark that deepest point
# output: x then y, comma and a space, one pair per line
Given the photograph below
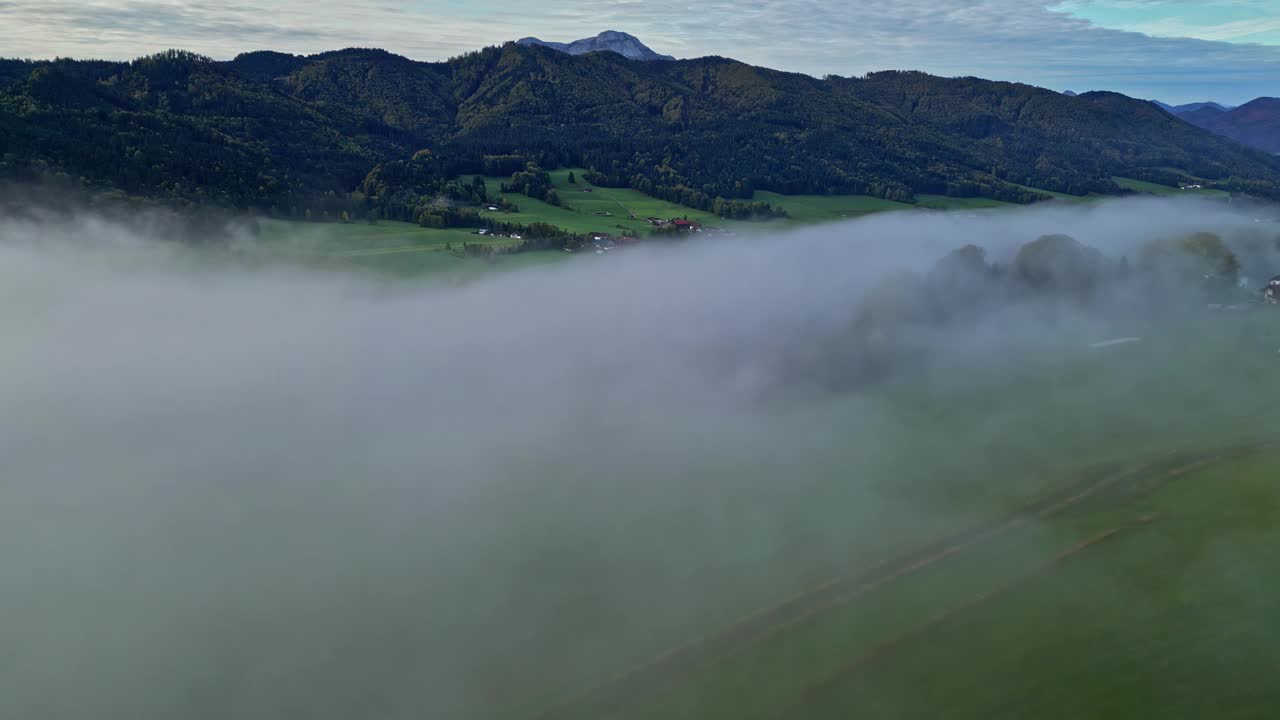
624, 689
834, 678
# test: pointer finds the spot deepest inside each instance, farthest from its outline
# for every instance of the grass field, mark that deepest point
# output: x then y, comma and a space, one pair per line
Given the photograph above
622, 209
1092, 561
407, 249
393, 247
1058, 195
609, 210
819, 208
968, 612
942, 202
1154, 189
1044, 531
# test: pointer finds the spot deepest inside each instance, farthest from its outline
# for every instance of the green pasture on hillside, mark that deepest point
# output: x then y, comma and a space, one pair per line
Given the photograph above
1151, 188
395, 247
613, 211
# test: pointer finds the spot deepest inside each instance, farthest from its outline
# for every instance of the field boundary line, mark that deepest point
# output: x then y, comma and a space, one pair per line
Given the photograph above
865, 582
702, 653
887, 646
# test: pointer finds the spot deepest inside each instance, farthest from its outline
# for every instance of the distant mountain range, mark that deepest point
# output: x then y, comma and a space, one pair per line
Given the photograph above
628, 46
341, 130
1256, 123
1181, 110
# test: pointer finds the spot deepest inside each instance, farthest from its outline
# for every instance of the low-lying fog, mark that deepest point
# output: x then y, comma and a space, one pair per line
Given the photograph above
236, 491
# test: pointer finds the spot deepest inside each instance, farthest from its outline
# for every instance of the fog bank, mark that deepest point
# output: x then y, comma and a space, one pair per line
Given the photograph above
250, 491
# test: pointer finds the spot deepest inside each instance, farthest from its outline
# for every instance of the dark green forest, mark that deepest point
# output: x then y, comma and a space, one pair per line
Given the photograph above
369, 133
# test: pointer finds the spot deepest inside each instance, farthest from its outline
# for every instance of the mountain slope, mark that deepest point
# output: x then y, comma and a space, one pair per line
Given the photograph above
1191, 107
275, 130
628, 46
1202, 116
1256, 124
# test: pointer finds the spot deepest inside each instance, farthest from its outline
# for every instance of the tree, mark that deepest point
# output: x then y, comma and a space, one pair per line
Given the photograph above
962, 281
1200, 260
572, 180
1060, 264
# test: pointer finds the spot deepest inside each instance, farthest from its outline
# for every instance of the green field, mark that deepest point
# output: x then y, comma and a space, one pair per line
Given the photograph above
407, 249
1163, 619
943, 202
1058, 195
1046, 531
1151, 188
394, 247
609, 210
819, 208
1085, 560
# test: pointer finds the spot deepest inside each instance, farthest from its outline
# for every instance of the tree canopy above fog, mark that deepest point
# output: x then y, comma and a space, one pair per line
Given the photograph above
896, 323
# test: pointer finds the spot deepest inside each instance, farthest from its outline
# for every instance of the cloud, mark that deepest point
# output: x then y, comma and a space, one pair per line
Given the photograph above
1229, 31
1059, 45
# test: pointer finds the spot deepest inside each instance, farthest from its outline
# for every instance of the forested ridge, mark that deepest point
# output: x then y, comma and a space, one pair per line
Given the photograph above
339, 131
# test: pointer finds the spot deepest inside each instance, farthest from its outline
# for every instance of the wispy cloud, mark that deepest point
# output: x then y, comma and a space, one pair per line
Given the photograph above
1234, 31
1057, 44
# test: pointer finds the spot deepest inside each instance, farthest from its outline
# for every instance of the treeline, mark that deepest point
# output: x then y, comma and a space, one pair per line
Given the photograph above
899, 321
534, 182
689, 197
63, 199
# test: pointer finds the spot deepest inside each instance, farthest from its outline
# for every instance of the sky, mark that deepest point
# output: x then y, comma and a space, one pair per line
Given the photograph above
1173, 50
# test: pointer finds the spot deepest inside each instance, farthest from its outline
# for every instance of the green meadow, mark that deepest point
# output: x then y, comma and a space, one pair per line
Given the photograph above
406, 249
389, 247
826, 208
1151, 188
1091, 535
608, 210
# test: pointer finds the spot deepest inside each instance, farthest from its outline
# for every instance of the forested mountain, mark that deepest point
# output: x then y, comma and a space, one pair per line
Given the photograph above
269, 130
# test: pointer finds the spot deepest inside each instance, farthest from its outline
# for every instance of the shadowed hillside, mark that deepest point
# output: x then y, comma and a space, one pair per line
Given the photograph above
269, 130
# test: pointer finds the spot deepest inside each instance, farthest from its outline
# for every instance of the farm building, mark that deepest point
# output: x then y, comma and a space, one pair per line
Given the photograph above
1271, 293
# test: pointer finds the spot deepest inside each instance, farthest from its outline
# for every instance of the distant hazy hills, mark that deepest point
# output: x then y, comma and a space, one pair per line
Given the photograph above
1256, 123
1181, 110
628, 46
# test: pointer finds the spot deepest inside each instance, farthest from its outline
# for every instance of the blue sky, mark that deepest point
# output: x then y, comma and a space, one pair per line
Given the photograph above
1236, 21
1174, 50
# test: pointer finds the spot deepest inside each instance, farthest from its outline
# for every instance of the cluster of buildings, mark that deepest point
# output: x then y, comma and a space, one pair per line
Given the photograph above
676, 224
489, 233
602, 243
